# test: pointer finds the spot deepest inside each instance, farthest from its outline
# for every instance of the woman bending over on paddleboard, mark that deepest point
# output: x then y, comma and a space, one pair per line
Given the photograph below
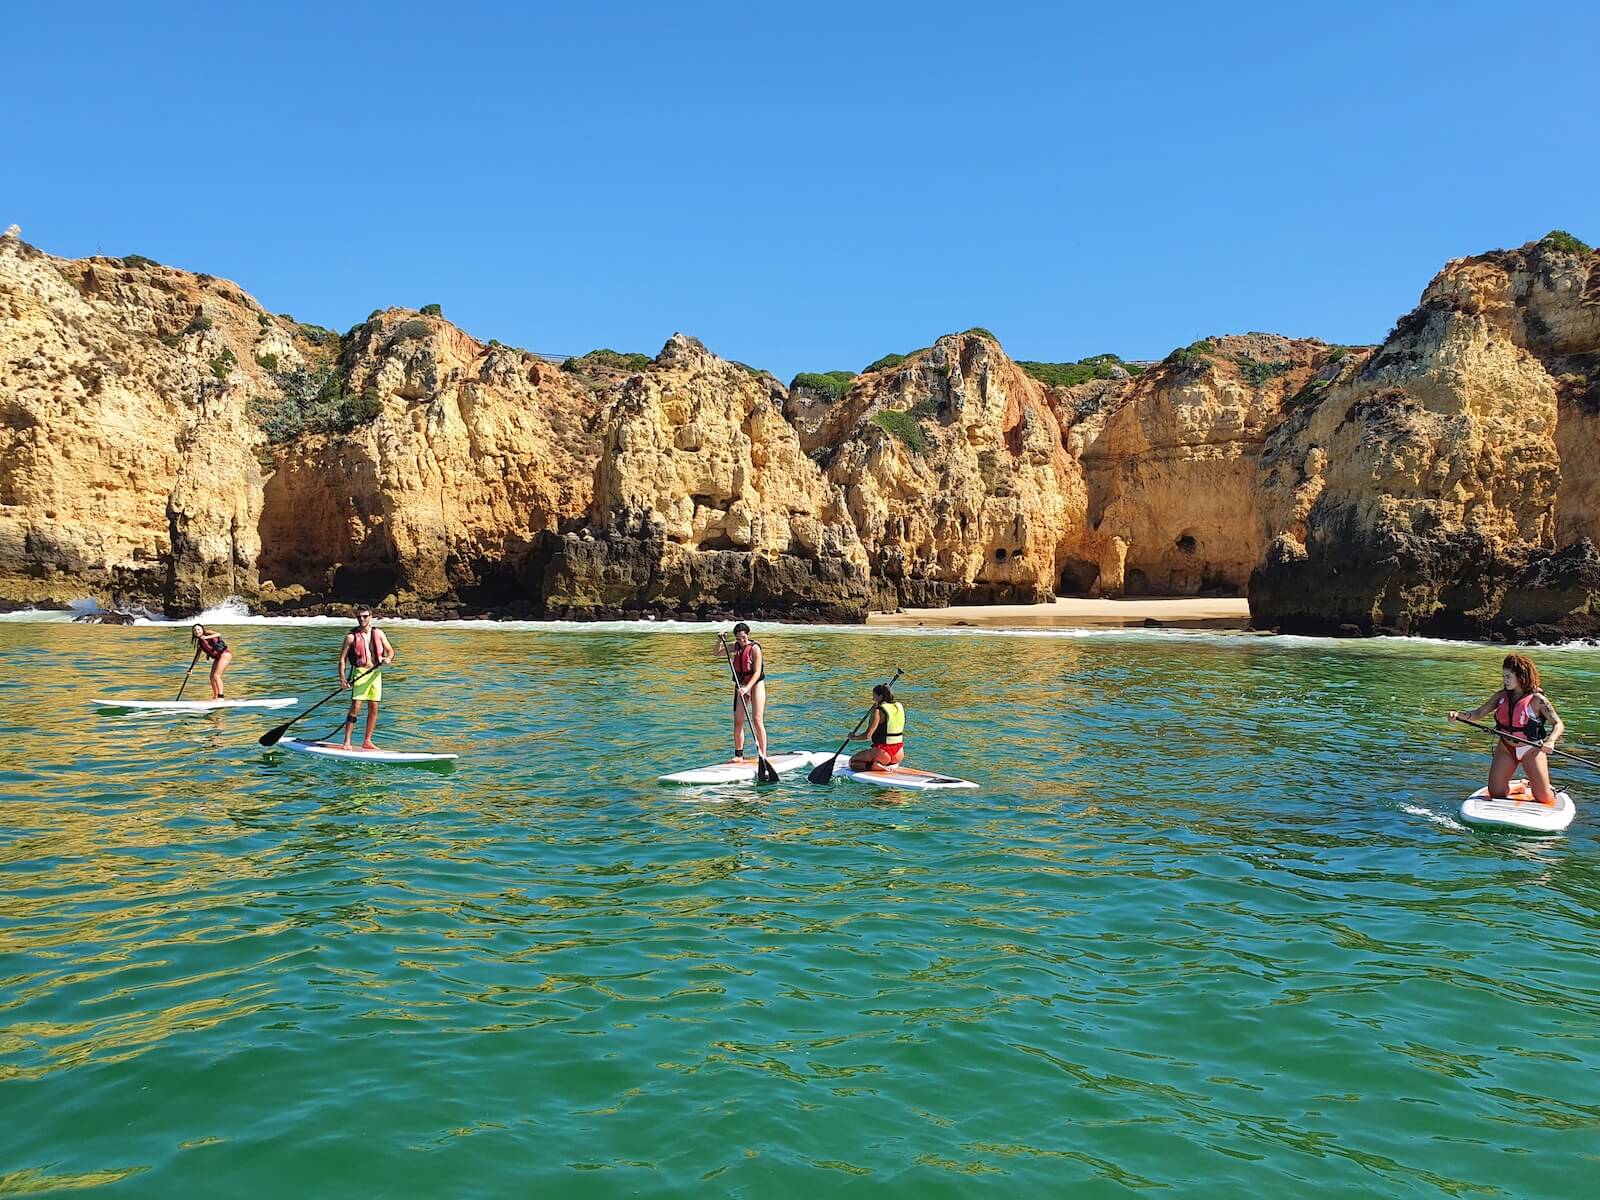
886, 730
750, 674
1523, 713
366, 651
213, 647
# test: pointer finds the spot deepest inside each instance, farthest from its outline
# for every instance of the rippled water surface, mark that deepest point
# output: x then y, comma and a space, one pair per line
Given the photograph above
1208, 924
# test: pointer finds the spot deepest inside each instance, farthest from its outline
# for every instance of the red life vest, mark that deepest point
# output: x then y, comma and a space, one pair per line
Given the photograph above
363, 651
212, 647
744, 662
1518, 718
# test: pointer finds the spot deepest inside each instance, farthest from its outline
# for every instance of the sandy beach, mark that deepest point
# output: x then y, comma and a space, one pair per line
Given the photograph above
1188, 612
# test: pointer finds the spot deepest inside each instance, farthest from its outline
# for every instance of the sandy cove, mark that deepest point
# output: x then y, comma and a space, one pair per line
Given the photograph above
1190, 612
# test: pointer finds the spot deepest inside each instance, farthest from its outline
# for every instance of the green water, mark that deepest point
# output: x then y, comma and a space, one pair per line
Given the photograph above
1207, 925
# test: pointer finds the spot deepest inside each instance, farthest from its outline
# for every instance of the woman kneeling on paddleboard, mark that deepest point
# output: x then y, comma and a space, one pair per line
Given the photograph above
1522, 712
886, 730
750, 674
366, 651
213, 647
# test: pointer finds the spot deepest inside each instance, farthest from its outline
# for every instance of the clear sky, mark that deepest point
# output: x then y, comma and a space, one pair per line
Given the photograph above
808, 186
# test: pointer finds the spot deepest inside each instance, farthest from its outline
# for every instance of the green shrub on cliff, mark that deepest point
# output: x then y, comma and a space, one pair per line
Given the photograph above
1256, 372
980, 331
267, 362
316, 334
432, 310
903, 426
410, 330
1069, 374
611, 360
138, 260
833, 384
313, 403
888, 360
1193, 353
223, 364
1560, 239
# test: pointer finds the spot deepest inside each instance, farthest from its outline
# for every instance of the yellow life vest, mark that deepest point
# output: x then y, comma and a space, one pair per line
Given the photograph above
891, 731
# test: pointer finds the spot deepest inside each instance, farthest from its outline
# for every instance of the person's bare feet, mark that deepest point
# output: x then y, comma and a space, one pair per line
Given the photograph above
368, 746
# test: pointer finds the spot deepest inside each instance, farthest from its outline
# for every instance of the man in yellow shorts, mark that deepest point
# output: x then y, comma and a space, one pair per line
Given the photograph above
365, 653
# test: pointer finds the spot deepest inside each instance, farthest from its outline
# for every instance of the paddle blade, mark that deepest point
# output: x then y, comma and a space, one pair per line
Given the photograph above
765, 771
822, 772
271, 736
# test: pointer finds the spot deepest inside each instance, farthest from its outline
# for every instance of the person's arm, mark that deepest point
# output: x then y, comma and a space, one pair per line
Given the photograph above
1558, 726
1483, 710
386, 651
344, 653
872, 723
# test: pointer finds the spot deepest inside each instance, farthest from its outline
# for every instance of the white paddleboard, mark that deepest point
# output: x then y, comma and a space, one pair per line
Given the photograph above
335, 750
900, 777
745, 772
192, 705
1525, 815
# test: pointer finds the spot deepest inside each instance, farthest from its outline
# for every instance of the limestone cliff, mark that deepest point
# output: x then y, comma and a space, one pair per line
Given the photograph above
127, 465
954, 469
704, 501
166, 441
436, 499
1171, 457
1446, 486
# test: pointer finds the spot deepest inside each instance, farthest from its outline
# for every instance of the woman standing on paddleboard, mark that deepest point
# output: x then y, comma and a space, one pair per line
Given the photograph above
213, 647
1522, 711
886, 730
366, 651
750, 674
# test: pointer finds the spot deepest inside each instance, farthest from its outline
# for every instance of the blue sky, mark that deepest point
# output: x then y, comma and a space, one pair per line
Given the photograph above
809, 186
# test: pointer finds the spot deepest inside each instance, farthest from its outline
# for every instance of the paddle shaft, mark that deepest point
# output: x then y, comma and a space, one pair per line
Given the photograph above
188, 673
1511, 737
272, 736
763, 767
829, 764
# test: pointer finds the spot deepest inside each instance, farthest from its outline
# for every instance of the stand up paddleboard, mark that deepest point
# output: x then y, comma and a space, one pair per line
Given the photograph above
335, 750
744, 772
190, 705
1521, 812
900, 777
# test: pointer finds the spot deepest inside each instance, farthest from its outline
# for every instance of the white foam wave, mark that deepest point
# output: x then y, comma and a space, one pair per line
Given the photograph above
234, 611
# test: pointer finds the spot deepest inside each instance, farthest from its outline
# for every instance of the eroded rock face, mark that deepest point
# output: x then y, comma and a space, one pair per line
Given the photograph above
438, 501
1444, 483
127, 460
953, 468
1435, 489
704, 501
1171, 458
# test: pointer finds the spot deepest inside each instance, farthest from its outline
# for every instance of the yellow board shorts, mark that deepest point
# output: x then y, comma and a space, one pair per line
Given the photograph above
368, 687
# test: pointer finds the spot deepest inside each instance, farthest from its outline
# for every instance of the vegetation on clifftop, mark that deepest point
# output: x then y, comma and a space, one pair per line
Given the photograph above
611, 360
1560, 239
832, 383
1069, 374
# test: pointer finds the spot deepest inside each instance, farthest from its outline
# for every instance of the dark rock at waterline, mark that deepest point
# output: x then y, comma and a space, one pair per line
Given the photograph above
590, 577
1390, 582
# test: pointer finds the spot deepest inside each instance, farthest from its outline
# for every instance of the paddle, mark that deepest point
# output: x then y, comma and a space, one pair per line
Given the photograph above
823, 771
765, 771
188, 673
1511, 737
272, 736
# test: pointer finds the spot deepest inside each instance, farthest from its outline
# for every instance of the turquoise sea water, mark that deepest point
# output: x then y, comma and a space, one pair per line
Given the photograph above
1209, 924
